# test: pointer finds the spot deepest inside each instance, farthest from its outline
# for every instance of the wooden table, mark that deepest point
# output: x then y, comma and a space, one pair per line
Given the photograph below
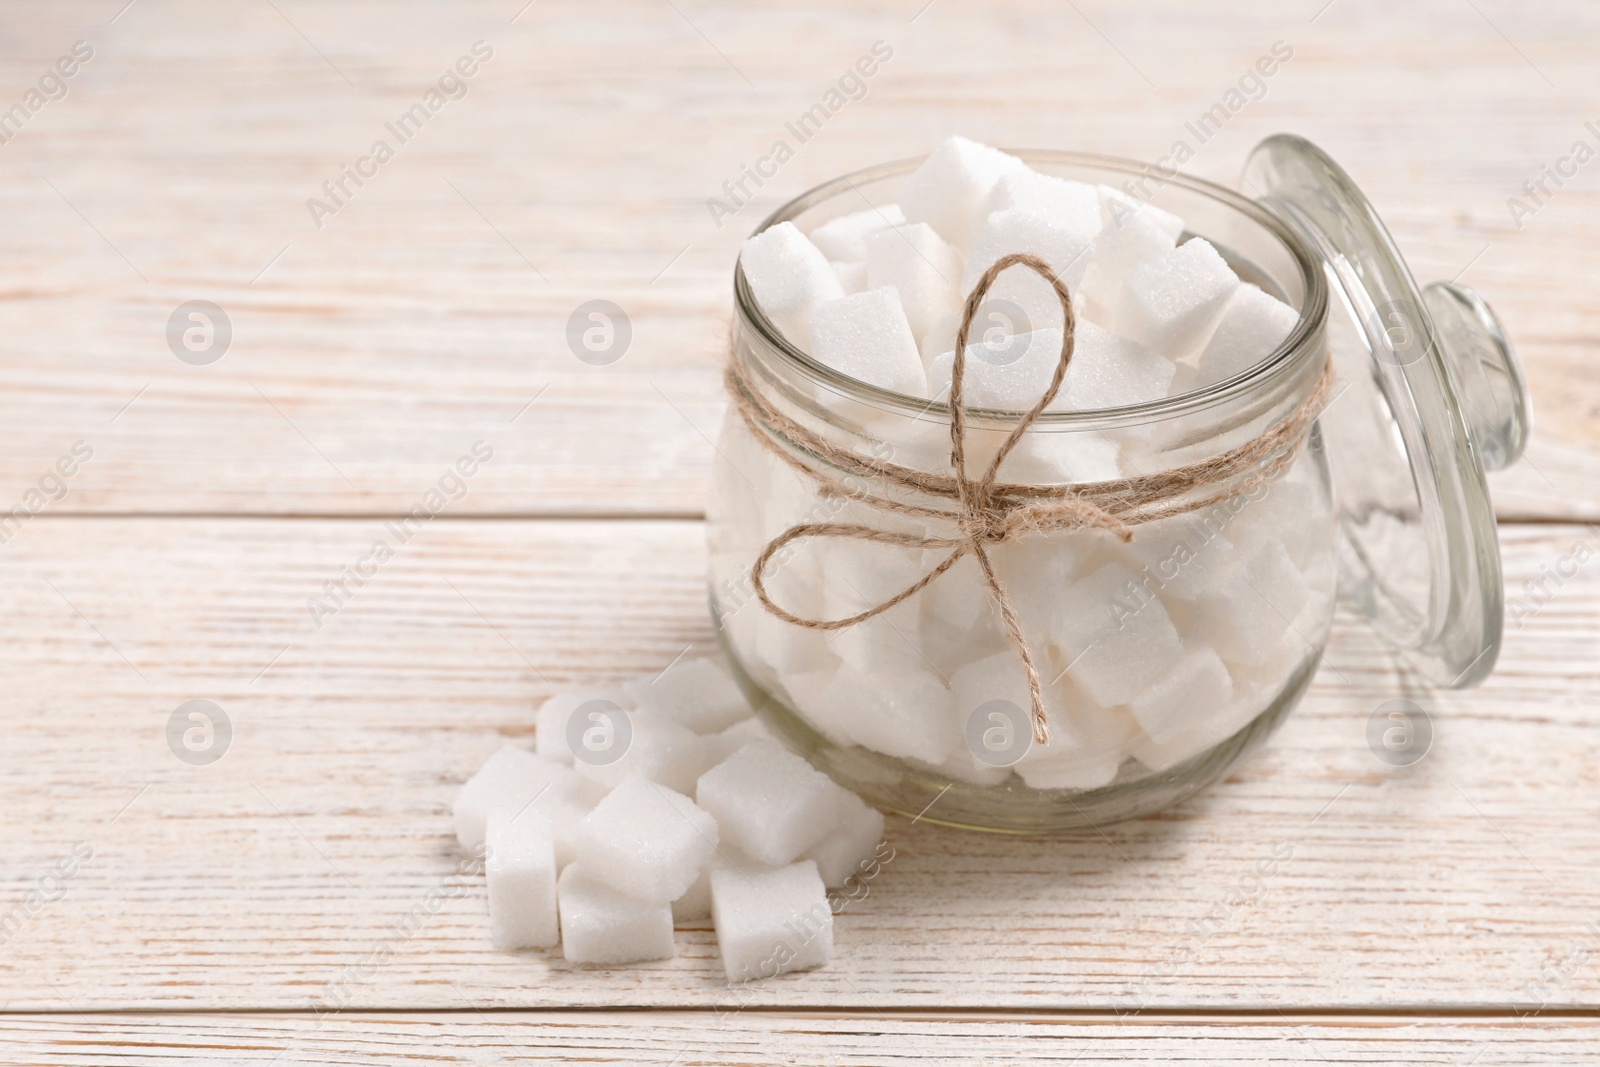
253, 910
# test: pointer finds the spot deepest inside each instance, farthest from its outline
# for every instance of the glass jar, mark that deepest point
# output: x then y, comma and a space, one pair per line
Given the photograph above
1164, 660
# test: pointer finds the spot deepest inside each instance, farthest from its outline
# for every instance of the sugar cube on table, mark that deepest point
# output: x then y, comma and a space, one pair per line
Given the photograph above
1064, 250
516, 779
1115, 206
921, 266
601, 925
849, 848
868, 337
1195, 689
1173, 303
694, 904
1072, 204
696, 692
1247, 615
1116, 635
554, 717
771, 921
845, 238
646, 840
1121, 247
789, 277
852, 275
521, 872
720, 746
769, 803
949, 189
1253, 325
652, 748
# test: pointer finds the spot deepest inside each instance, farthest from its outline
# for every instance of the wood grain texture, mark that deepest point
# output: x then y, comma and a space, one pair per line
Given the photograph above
432, 308
792, 1040
276, 877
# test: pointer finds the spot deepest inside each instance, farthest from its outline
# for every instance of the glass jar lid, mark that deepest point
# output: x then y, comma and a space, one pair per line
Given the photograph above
1429, 394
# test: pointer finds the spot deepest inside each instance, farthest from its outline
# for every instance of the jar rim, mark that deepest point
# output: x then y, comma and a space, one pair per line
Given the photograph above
1294, 350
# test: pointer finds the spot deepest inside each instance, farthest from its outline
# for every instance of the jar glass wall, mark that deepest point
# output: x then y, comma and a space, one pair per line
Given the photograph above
1164, 660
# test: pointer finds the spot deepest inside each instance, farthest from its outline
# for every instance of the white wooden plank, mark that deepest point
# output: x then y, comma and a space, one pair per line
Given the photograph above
369, 353
271, 878
868, 1039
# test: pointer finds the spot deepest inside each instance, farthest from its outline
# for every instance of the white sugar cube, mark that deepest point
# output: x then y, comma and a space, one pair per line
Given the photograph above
948, 190
1064, 457
769, 921
852, 276
601, 925
1252, 326
554, 718
695, 903
1121, 247
1182, 558
1088, 746
1173, 303
1009, 373
1116, 206
769, 803
519, 781
1115, 635
1248, 614
789, 277
1074, 205
646, 840
845, 238
938, 340
903, 712
1064, 250
868, 337
1277, 513
696, 692
921, 266
812, 698
1195, 689
1110, 371
653, 748
850, 847
521, 872
722, 745
1204, 733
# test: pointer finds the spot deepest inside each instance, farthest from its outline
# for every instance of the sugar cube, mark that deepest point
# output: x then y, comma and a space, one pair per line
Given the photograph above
1087, 748
1252, 326
696, 692
1248, 612
652, 748
904, 712
919, 265
771, 921
852, 276
695, 903
1173, 303
1074, 205
1115, 634
720, 746
949, 189
601, 925
1064, 250
1061, 457
1121, 247
1008, 373
1109, 371
849, 848
554, 717
789, 277
521, 872
1116, 206
646, 840
845, 238
515, 779
769, 803
1195, 689
1181, 558
868, 337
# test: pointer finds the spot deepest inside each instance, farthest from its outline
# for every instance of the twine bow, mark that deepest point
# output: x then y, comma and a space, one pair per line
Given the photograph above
989, 512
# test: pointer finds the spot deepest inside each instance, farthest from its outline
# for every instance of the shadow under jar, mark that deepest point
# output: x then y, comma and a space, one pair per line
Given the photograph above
1165, 659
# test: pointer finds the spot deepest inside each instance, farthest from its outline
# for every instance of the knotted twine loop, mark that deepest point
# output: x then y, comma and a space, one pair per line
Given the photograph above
989, 512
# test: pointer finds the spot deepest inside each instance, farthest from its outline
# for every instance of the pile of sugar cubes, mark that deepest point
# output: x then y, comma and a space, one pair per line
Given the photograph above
1153, 651
876, 294
701, 815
